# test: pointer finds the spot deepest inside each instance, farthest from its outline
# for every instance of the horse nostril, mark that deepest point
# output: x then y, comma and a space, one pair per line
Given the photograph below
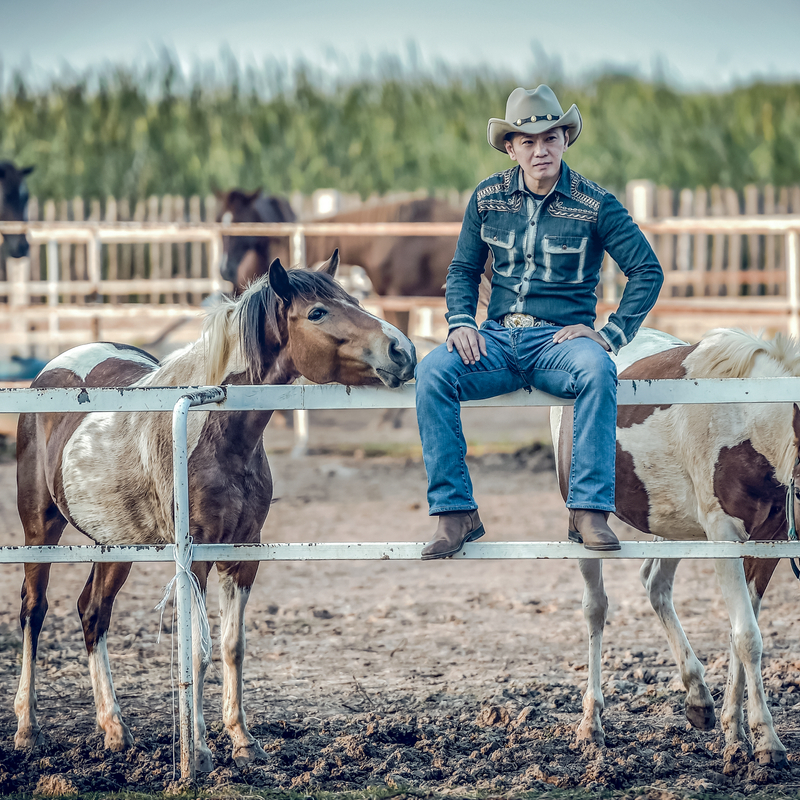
396, 353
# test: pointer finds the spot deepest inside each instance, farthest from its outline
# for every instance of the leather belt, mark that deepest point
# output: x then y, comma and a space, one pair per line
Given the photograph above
524, 321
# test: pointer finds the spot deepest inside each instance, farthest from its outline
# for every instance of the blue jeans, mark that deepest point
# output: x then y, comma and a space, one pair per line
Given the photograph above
519, 357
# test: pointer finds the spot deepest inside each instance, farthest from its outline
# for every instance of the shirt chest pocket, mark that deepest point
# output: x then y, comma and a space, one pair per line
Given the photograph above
501, 242
564, 258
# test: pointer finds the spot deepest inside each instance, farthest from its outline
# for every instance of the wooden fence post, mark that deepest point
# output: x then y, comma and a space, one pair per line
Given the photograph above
793, 281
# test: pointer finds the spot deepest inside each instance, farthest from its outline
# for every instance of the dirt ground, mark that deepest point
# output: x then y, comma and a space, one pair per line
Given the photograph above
441, 676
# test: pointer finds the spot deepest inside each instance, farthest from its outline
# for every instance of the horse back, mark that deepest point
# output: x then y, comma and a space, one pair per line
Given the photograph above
41, 438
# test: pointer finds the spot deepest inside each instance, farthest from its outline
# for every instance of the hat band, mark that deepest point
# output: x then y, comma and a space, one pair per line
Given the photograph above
534, 118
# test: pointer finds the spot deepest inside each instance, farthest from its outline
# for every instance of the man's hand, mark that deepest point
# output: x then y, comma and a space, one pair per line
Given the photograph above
579, 332
469, 344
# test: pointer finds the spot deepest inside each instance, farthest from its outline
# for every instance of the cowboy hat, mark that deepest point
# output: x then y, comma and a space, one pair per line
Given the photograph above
533, 111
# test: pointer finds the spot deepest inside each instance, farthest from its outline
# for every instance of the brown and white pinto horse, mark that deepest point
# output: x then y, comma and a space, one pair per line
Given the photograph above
719, 472
110, 474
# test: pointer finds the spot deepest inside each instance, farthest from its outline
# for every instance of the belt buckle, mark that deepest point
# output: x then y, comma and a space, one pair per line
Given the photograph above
519, 320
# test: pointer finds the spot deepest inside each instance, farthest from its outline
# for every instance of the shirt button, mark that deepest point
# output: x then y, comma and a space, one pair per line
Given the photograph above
563, 247
529, 256
533, 224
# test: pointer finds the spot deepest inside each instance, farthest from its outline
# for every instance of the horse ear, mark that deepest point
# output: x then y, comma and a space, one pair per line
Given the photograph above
279, 281
331, 265
251, 196
27, 170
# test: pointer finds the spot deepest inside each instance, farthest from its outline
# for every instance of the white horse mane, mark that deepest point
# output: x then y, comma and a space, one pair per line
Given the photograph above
218, 340
732, 353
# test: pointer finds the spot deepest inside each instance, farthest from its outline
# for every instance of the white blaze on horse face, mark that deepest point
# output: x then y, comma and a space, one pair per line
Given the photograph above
402, 341
83, 359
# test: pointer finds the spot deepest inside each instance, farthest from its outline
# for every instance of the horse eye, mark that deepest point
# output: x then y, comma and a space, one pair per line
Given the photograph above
316, 314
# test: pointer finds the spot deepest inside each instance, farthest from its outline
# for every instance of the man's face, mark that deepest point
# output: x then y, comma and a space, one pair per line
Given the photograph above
539, 154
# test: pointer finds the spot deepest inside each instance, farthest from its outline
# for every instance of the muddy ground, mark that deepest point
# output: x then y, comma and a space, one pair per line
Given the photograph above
441, 676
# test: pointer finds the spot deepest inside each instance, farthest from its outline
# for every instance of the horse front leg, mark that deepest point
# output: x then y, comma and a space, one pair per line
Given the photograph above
746, 650
234, 592
94, 606
203, 760
595, 610
31, 619
658, 578
43, 524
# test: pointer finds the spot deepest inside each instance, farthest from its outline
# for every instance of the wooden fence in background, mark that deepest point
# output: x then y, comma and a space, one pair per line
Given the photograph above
696, 265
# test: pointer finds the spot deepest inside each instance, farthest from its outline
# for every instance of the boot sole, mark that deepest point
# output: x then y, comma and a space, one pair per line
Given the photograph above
574, 536
470, 537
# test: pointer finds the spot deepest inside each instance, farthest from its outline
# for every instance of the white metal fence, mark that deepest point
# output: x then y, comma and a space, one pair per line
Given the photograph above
183, 552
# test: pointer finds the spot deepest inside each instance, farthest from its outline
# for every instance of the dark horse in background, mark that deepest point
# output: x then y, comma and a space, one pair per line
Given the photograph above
13, 208
247, 258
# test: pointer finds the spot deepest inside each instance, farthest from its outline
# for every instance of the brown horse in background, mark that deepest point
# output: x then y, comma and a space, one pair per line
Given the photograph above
401, 266
246, 258
110, 474
13, 208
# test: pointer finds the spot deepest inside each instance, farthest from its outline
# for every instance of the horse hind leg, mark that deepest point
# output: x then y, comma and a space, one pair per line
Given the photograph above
595, 611
94, 606
43, 524
234, 592
746, 649
658, 578
738, 752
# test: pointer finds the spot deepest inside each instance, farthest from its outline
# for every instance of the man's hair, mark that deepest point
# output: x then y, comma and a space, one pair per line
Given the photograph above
509, 137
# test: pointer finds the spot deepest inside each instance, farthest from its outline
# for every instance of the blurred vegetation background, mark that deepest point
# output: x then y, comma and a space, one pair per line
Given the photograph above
136, 132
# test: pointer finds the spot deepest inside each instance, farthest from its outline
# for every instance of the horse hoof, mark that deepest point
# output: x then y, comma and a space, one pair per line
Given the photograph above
203, 760
119, 740
772, 758
27, 740
587, 735
735, 757
247, 753
701, 717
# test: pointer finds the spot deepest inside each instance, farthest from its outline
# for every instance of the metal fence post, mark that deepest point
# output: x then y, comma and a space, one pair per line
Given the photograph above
183, 563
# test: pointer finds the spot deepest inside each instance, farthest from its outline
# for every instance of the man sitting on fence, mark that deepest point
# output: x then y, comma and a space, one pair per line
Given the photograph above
548, 228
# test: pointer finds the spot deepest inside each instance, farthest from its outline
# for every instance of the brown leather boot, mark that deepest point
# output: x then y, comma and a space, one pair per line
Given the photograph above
590, 528
453, 532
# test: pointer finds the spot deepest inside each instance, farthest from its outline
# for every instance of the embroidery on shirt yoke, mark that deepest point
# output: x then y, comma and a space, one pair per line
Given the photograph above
486, 203
591, 205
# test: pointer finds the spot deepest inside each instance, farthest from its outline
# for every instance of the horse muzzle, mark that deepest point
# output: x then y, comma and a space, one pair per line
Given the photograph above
401, 363
17, 245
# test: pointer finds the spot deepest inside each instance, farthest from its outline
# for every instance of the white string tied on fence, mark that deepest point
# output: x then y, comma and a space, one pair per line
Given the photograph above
200, 616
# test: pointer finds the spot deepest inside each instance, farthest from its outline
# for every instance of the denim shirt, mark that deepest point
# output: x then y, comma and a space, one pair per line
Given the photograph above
548, 255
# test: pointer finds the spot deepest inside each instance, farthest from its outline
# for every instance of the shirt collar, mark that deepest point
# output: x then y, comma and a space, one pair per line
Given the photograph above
562, 185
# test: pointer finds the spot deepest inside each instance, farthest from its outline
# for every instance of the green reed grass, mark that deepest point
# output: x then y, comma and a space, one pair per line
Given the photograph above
132, 133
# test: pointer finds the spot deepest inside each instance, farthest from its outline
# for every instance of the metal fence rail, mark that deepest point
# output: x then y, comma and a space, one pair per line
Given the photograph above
179, 401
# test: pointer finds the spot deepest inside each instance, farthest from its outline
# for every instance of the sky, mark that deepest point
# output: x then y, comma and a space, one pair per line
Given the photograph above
692, 43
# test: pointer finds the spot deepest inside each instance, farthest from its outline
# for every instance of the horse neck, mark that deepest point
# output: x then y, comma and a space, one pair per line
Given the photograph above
187, 367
